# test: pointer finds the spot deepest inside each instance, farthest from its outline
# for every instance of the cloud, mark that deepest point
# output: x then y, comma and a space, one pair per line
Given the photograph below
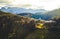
46, 4
4, 2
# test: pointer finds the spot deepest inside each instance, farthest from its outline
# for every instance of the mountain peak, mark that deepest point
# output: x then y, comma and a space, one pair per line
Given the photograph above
20, 10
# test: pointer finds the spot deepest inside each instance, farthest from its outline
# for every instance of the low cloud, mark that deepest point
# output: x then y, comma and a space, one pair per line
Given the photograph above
46, 4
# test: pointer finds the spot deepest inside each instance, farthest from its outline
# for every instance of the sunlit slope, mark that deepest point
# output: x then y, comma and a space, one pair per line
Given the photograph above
54, 12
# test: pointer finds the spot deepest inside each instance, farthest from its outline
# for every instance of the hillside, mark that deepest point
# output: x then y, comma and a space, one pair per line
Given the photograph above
19, 27
54, 12
50, 14
38, 16
13, 26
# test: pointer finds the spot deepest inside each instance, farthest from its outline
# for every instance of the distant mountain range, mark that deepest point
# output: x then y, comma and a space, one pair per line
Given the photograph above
46, 16
21, 10
37, 14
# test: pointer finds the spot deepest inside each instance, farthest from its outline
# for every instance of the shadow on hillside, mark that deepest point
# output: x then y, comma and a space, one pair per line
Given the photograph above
19, 27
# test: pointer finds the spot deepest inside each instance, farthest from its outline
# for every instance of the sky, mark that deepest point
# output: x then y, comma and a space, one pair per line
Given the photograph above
32, 4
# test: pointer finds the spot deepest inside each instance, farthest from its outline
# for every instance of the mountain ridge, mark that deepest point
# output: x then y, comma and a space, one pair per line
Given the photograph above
21, 10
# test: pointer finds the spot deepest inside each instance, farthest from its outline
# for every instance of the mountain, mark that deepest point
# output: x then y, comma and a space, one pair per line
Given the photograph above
21, 10
26, 14
36, 16
30, 15
14, 26
53, 13
19, 27
50, 14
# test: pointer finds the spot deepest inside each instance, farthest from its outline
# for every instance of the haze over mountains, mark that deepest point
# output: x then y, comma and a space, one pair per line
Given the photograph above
21, 10
37, 14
